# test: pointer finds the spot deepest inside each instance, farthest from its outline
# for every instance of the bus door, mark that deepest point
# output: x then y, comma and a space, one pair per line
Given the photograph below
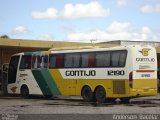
12, 74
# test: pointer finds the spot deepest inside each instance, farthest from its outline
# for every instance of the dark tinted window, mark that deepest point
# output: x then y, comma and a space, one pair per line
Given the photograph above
56, 61
39, 60
83, 60
12, 71
122, 58
45, 61
72, 60
103, 59
59, 61
87, 60
25, 62
118, 58
34, 61
52, 61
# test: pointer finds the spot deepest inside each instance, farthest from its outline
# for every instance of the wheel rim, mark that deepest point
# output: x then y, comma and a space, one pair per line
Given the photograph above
87, 94
100, 94
25, 92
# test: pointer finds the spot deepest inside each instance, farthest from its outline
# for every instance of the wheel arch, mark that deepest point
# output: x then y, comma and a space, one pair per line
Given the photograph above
100, 86
24, 85
86, 85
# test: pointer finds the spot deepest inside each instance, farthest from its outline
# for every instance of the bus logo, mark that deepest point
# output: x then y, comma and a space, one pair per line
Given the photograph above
13, 89
145, 51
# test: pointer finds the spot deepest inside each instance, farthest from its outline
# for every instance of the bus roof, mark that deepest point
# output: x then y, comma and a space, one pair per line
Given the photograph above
81, 49
92, 48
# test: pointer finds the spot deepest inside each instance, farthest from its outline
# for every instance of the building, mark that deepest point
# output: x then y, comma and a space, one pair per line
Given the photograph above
9, 47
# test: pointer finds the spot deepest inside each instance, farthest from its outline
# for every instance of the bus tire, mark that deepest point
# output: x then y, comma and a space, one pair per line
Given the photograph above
25, 91
48, 96
100, 94
125, 100
87, 94
111, 100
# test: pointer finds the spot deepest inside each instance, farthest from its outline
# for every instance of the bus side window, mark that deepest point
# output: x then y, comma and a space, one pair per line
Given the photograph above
84, 61
102, 59
59, 61
91, 60
76, 61
39, 60
56, 61
52, 61
118, 58
72, 60
68, 61
25, 62
122, 58
88, 60
34, 61
12, 70
45, 61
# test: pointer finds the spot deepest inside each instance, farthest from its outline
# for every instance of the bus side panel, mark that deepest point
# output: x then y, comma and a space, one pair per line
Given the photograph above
25, 77
144, 72
74, 86
41, 82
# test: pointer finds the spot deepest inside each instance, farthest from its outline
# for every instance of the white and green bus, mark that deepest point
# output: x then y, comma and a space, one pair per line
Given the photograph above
95, 74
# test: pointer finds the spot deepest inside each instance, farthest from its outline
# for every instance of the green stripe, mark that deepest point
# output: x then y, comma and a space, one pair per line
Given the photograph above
47, 84
41, 82
50, 82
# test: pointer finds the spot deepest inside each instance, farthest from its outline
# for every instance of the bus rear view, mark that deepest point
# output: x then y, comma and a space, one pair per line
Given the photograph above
143, 74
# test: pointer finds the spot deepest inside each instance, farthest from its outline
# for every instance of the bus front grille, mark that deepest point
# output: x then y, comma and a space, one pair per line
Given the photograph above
118, 87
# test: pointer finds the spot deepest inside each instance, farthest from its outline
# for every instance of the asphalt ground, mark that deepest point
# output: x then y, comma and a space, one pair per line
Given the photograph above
74, 108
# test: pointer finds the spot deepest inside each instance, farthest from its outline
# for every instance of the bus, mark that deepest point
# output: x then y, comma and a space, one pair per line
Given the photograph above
96, 74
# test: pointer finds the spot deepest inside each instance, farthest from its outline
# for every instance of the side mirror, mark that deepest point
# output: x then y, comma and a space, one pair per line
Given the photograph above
5, 67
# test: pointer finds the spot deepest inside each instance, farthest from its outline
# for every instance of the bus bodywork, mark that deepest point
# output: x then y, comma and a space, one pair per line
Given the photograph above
118, 72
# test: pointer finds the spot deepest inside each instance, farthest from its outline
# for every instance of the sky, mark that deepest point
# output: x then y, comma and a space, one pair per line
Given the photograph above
81, 20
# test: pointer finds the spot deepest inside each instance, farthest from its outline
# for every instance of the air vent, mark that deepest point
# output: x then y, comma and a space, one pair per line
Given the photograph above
118, 87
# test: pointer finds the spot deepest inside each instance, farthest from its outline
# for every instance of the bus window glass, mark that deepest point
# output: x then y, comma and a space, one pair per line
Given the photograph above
122, 58
84, 62
91, 60
39, 60
68, 60
12, 71
34, 62
115, 58
72, 60
52, 61
103, 59
118, 58
25, 62
88, 60
107, 59
45, 61
76, 60
59, 61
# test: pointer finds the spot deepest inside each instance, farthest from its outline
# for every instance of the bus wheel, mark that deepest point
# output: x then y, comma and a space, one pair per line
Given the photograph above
100, 94
48, 96
125, 100
110, 100
25, 91
87, 94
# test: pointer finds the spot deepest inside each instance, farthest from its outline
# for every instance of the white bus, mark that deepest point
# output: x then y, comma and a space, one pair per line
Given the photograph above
95, 74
